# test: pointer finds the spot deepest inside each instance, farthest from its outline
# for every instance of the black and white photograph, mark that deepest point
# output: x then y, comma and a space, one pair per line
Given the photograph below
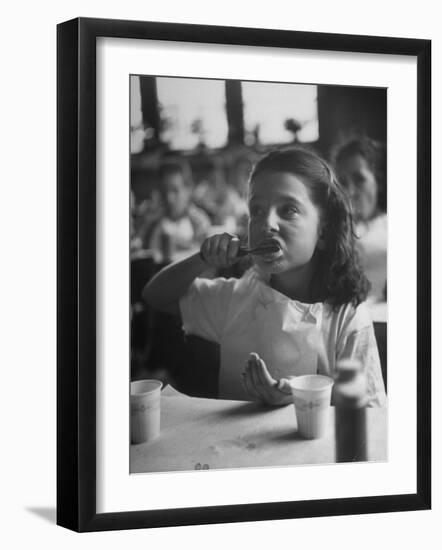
243, 257
258, 274
220, 259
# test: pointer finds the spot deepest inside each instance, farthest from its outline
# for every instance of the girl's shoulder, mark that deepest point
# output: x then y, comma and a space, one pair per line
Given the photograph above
234, 284
348, 317
216, 284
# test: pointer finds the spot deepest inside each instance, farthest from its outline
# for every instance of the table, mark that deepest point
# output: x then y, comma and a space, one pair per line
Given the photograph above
213, 434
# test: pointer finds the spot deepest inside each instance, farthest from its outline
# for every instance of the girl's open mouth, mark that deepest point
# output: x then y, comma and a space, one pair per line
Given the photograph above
268, 251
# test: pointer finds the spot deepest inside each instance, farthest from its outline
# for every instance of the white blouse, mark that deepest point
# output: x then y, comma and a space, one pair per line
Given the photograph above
247, 315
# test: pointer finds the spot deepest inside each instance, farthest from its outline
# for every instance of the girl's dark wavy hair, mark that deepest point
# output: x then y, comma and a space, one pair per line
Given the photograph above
339, 278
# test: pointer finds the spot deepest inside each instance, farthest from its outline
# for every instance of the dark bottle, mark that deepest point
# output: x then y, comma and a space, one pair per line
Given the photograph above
350, 399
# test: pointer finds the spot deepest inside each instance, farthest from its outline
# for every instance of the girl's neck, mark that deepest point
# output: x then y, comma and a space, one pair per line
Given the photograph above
296, 285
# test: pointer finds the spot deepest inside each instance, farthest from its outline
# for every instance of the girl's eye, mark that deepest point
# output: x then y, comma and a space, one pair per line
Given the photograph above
289, 211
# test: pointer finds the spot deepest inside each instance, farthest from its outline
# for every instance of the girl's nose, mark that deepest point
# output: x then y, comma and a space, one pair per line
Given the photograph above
271, 221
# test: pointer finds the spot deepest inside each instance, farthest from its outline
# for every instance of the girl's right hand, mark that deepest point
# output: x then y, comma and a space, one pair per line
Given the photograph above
220, 250
261, 386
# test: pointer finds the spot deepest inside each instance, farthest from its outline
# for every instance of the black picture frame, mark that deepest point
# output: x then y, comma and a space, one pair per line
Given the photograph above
76, 273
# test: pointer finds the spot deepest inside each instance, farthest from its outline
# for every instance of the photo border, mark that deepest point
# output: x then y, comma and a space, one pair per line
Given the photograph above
76, 273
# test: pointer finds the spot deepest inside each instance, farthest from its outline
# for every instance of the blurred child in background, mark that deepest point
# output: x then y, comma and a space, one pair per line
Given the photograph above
361, 169
183, 226
220, 200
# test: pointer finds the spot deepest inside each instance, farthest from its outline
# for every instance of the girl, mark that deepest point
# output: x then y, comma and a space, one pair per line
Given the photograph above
299, 309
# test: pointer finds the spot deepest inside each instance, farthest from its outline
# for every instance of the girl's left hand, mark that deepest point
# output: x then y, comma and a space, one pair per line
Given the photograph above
261, 386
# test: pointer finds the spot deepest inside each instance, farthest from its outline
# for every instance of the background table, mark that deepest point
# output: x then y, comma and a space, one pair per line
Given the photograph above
210, 433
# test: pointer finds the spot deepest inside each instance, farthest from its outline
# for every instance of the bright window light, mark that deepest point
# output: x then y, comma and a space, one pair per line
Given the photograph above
280, 113
192, 112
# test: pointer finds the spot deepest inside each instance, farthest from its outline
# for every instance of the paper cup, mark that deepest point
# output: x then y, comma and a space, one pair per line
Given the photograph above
311, 397
145, 398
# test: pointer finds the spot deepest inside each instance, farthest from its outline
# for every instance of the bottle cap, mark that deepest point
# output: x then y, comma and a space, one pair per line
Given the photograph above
347, 369
351, 385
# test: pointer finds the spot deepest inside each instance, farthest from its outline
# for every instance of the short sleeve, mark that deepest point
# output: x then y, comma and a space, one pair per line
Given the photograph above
205, 306
358, 342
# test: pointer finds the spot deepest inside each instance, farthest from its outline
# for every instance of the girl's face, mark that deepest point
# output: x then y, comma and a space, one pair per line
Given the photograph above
360, 182
282, 213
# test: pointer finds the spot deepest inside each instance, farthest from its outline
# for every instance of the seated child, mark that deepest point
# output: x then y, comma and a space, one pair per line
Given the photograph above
183, 226
219, 199
361, 168
299, 309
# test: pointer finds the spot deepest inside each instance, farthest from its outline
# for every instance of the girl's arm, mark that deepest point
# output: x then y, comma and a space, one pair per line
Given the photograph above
166, 288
